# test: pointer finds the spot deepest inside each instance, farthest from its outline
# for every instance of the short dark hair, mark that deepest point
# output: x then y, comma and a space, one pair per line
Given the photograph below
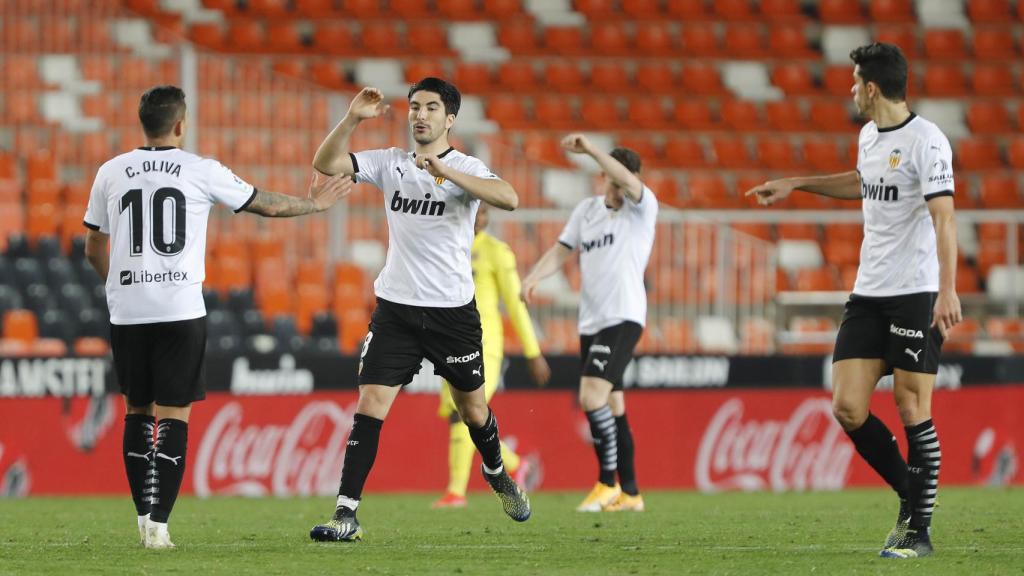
450, 96
885, 65
160, 108
628, 158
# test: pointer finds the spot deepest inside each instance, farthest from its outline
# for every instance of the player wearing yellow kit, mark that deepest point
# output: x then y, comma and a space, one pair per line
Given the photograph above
495, 277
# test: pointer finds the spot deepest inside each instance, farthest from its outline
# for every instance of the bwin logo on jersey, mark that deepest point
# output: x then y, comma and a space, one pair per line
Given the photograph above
894, 159
879, 192
601, 242
905, 332
425, 207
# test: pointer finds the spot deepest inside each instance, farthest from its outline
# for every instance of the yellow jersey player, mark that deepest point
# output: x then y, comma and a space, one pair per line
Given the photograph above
495, 277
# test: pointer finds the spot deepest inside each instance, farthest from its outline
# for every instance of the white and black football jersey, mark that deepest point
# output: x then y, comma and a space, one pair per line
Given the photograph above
901, 168
430, 227
615, 246
155, 203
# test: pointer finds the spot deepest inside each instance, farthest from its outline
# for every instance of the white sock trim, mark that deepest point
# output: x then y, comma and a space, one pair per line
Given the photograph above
494, 472
347, 502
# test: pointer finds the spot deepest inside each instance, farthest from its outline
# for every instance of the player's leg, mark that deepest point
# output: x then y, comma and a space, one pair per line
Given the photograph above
390, 357
131, 352
460, 453
630, 498
914, 352
179, 376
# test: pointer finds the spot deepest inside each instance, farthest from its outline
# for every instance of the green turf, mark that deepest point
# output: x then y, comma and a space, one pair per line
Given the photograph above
978, 532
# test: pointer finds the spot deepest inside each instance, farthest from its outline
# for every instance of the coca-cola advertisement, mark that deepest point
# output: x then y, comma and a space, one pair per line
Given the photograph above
710, 440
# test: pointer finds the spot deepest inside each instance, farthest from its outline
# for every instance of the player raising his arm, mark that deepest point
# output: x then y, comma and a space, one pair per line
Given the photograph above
147, 217
614, 233
904, 301
425, 305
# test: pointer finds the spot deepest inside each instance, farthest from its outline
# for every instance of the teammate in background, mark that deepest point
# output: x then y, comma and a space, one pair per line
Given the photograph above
904, 301
614, 233
425, 305
494, 274
147, 217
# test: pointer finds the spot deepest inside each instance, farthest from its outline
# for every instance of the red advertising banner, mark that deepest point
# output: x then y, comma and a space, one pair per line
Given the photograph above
708, 440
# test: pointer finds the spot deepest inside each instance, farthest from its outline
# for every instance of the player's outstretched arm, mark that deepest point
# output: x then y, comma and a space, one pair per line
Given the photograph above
332, 156
620, 175
97, 251
844, 186
947, 311
323, 193
548, 264
494, 191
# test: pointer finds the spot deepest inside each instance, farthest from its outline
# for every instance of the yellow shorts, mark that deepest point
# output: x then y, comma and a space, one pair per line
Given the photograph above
492, 375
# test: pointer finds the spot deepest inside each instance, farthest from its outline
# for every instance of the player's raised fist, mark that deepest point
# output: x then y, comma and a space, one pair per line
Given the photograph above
369, 103
576, 143
433, 165
326, 190
771, 192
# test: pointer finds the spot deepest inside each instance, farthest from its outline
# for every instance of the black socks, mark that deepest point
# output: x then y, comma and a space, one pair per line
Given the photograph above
876, 444
603, 429
627, 470
923, 460
137, 449
487, 442
168, 467
359, 455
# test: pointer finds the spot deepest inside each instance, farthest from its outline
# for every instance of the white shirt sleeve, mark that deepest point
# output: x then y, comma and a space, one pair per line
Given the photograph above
224, 187
476, 167
96, 217
647, 207
570, 236
935, 167
369, 166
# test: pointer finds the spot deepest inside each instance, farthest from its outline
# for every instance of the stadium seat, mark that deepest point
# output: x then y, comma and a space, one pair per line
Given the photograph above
655, 77
381, 39
601, 112
282, 36
642, 9
20, 324
473, 77
830, 116
842, 254
903, 36
994, 44
610, 76
1011, 329
90, 347
207, 34
665, 186
596, 9
838, 80
646, 147
554, 112
1000, 191
333, 38
757, 336
1015, 150
945, 44
781, 10
676, 335
564, 41
945, 80
733, 10
785, 116
563, 76
988, 117
741, 115
702, 80
502, 10
709, 191
517, 76
794, 79
544, 149
685, 152
798, 231
776, 153
700, 41
688, 11
977, 154
967, 279
410, 9
428, 40
745, 41
789, 41
897, 11
811, 335
693, 114
817, 279
646, 112
989, 11
993, 80
840, 12
418, 69
656, 39
519, 37
458, 9
961, 337
731, 152
609, 39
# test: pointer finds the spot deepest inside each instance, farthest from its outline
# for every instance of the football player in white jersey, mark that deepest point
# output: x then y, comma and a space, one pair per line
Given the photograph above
904, 301
614, 233
425, 293
147, 217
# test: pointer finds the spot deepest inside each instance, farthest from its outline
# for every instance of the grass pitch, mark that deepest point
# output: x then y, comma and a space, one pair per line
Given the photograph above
976, 532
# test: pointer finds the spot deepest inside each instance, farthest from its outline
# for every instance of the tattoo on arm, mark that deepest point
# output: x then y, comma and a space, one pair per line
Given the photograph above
279, 205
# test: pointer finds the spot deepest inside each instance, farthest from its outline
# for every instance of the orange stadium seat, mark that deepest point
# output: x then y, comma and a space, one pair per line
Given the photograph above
564, 76
21, 107
20, 325
410, 9
564, 40
645, 147
508, 111
978, 154
544, 149
7, 166
1000, 191
798, 231
733, 10
363, 8
282, 36
1011, 329
328, 74
688, 11
381, 39
899, 11
428, 39
786, 116
831, 116
693, 114
945, 80
596, 9
610, 76
519, 36
702, 80
554, 112
789, 41
517, 76
731, 152
418, 69
207, 34
794, 79
700, 41
994, 44
473, 77
967, 281
43, 192
902, 36
664, 186
745, 41
962, 336
656, 77
90, 347
945, 44
707, 190
838, 80
819, 332
841, 12
741, 115
757, 336
993, 80
21, 71
642, 9
656, 39
781, 10
988, 117
817, 279
685, 152
333, 38
315, 9
677, 335
989, 11
1015, 150
40, 165
646, 112
842, 254
775, 153
601, 112
458, 9
609, 39
500, 10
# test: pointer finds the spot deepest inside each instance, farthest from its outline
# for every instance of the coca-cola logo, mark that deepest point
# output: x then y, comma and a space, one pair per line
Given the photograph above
300, 458
807, 451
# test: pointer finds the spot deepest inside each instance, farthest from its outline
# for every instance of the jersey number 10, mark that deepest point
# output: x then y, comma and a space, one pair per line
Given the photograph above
132, 201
